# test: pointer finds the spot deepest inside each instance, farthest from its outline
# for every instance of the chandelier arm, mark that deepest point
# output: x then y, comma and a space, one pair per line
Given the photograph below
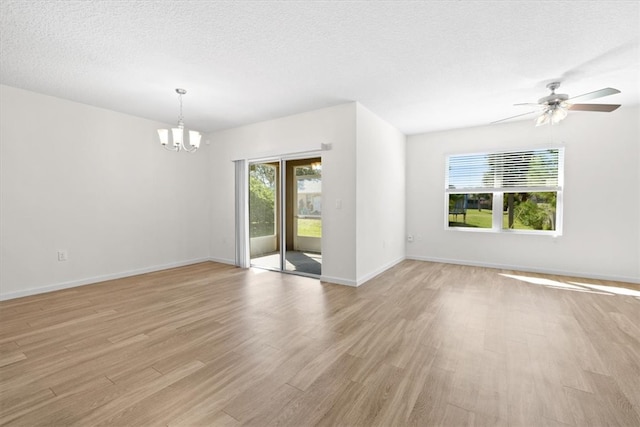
173, 148
190, 150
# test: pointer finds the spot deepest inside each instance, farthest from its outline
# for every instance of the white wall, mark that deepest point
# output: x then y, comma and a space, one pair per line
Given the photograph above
380, 188
601, 235
96, 183
300, 132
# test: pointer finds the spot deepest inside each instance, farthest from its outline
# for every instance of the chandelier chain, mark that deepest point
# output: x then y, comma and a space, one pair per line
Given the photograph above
180, 117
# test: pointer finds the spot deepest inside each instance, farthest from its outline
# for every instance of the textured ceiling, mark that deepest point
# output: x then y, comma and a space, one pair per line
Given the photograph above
422, 66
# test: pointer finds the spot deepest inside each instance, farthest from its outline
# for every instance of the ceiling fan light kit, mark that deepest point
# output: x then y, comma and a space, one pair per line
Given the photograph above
555, 107
177, 133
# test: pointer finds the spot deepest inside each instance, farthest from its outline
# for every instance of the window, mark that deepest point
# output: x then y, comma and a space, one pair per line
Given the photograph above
505, 191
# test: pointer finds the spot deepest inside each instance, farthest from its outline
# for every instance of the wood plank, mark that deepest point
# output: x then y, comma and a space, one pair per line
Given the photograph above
421, 344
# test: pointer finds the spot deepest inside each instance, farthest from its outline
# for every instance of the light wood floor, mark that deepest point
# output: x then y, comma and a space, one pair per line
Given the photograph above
422, 344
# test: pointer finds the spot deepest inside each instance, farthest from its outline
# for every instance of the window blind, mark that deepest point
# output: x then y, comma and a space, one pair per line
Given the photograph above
507, 171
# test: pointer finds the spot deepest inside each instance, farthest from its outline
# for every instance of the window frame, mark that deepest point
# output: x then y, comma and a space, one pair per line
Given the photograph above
499, 193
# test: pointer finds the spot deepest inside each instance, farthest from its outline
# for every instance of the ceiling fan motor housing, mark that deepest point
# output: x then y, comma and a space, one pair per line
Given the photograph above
554, 98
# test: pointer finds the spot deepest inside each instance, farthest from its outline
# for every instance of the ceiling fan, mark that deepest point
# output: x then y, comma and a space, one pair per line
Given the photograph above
554, 107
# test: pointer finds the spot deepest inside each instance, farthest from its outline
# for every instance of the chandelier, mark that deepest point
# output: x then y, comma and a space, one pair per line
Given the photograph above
178, 134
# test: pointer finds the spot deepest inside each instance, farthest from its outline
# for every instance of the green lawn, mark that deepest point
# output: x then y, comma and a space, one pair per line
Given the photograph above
482, 219
309, 227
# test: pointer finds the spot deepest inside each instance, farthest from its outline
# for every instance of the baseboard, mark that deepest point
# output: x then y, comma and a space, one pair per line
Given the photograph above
222, 260
98, 279
323, 278
528, 269
338, 281
362, 280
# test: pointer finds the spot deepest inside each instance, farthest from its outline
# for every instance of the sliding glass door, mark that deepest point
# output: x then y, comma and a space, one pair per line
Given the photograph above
285, 215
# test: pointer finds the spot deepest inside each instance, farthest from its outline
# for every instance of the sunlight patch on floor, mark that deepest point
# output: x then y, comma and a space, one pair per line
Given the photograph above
575, 286
611, 289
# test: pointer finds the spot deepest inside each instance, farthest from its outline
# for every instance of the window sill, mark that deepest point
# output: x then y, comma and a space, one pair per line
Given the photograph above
504, 231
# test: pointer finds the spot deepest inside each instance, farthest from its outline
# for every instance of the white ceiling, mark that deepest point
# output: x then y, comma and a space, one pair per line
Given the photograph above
422, 66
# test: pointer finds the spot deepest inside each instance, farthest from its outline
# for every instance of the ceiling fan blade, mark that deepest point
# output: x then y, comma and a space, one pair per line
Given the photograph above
596, 94
531, 104
604, 108
513, 117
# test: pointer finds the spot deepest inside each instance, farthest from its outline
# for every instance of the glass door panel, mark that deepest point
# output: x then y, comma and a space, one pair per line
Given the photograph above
303, 250
264, 219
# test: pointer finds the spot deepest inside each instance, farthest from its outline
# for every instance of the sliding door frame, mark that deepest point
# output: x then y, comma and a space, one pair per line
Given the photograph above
243, 238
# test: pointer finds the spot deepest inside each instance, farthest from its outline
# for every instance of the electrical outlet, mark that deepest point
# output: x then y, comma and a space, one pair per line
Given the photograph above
410, 238
63, 255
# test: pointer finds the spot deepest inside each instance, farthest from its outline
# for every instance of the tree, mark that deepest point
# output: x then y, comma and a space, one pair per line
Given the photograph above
265, 173
539, 212
262, 200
